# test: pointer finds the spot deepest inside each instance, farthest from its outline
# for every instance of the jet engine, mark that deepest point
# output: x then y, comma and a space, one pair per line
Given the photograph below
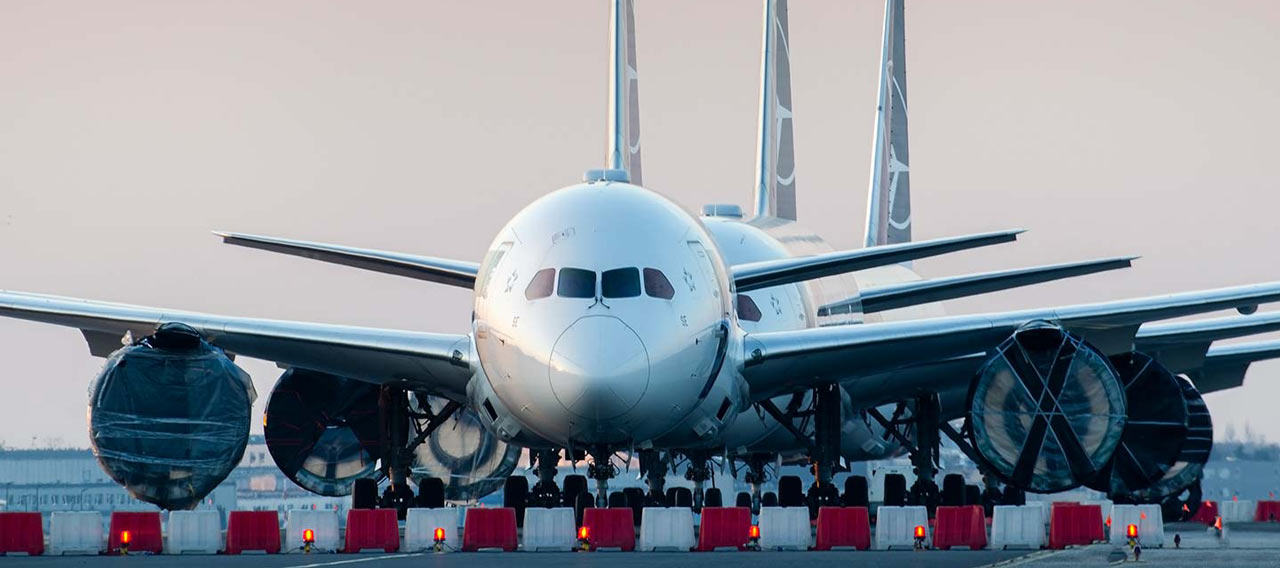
323, 431
1155, 429
169, 416
1193, 453
470, 460
1046, 411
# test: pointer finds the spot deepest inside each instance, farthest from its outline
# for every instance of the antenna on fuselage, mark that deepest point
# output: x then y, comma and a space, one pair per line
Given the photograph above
889, 197
775, 151
624, 92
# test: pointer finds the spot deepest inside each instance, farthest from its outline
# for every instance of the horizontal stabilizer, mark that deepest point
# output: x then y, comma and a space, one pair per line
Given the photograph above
904, 294
789, 361
767, 273
1225, 365
440, 270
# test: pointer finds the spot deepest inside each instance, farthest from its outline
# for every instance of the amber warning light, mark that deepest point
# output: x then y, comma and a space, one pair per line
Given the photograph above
584, 538
1131, 531
918, 533
309, 536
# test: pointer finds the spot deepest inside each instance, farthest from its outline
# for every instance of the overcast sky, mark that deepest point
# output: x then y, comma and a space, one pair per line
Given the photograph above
129, 130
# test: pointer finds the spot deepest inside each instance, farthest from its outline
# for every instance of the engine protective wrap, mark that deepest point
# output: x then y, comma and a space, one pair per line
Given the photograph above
169, 417
1046, 411
1194, 453
1155, 426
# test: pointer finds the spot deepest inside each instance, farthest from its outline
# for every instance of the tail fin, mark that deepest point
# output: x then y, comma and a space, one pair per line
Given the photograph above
775, 153
624, 92
889, 202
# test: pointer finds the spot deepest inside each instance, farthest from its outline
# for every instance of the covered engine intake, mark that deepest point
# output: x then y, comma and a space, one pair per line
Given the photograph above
1046, 412
323, 431
169, 416
1155, 428
470, 460
1188, 467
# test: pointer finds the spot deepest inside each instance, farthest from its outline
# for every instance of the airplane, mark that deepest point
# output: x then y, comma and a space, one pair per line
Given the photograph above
607, 318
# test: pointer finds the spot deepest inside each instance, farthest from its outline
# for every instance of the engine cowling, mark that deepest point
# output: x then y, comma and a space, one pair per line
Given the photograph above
323, 431
470, 460
1046, 411
169, 417
1155, 428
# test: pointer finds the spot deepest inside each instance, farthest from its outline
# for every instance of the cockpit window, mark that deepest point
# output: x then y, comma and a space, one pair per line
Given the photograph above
540, 287
620, 283
657, 285
747, 308
577, 283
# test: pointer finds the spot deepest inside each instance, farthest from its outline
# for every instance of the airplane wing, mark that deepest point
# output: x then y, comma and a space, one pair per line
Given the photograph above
1225, 365
435, 362
440, 270
767, 273
789, 361
1183, 346
904, 294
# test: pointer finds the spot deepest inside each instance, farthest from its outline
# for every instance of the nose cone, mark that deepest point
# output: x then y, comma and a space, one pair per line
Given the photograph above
599, 368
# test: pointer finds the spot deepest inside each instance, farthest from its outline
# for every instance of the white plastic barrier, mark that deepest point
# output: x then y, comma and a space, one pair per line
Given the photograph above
76, 532
1044, 508
194, 532
549, 529
784, 528
1150, 523
1014, 526
664, 528
420, 529
895, 526
324, 525
1241, 511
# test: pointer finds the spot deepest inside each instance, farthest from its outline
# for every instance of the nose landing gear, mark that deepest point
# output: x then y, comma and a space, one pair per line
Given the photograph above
601, 469
545, 493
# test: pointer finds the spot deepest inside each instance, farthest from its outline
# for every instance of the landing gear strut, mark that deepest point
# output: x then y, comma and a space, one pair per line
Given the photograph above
919, 434
601, 469
756, 476
825, 456
397, 448
654, 466
545, 493
698, 471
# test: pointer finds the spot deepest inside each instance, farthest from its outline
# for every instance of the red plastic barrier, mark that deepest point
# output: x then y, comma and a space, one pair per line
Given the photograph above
961, 526
843, 527
1206, 514
1071, 523
253, 530
21, 532
611, 528
1267, 512
489, 528
372, 528
143, 528
724, 527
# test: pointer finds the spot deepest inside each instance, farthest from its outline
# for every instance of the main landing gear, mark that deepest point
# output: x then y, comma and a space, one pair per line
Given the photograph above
397, 416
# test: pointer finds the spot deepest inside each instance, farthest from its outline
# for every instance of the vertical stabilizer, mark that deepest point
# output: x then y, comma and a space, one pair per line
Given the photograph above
624, 92
889, 202
775, 152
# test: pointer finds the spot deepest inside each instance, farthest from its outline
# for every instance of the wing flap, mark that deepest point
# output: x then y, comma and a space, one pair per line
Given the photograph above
457, 273
431, 361
764, 274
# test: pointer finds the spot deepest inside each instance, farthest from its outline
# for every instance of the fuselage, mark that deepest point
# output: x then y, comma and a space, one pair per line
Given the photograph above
605, 316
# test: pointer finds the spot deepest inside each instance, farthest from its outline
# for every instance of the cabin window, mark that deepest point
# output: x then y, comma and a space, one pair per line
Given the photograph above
620, 283
657, 285
540, 287
576, 283
747, 308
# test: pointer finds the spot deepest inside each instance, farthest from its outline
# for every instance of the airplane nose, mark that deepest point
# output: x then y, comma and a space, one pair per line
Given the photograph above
599, 368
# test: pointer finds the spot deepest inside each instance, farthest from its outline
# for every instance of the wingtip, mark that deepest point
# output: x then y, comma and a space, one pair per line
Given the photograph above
222, 234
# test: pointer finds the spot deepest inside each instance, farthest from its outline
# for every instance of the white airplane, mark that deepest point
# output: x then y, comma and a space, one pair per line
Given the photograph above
608, 318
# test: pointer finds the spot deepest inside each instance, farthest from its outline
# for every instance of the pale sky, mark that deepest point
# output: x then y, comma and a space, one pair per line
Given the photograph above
129, 130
